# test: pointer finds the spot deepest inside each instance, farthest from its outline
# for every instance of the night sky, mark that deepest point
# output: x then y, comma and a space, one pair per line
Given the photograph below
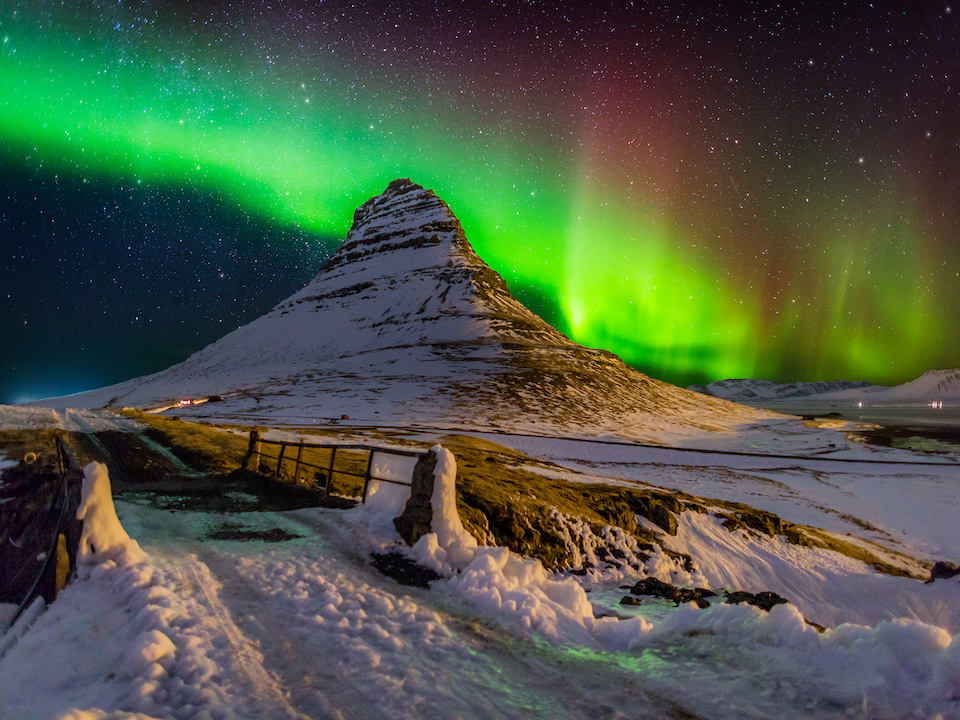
710, 190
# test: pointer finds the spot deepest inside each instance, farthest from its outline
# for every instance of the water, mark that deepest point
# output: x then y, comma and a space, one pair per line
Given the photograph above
917, 427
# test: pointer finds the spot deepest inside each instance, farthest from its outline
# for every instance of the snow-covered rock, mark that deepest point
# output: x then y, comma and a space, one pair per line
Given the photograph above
406, 323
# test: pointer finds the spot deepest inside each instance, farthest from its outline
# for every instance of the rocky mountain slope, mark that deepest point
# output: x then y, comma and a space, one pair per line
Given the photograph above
405, 324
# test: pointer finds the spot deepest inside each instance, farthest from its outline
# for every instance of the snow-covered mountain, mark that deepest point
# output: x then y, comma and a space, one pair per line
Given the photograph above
747, 390
405, 323
933, 385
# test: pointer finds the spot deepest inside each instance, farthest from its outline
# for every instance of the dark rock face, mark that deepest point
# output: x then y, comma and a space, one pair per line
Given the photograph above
944, 570
417, 516
404, 570
763, 600
659, 510
658, 588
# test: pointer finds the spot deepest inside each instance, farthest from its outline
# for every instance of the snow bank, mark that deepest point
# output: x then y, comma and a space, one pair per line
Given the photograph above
387, 499
4, 463
103, 536
494, 578
901, 668
126, 642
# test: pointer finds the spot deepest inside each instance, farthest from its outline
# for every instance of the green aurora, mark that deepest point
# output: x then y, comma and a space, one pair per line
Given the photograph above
638, 237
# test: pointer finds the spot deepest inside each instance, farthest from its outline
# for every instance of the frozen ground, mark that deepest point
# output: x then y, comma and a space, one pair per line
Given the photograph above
13, 417
307, 628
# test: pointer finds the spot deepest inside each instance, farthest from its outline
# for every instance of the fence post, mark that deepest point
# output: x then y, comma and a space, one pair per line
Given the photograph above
333, 456
366, 479
296, 468
283, 449
252, 459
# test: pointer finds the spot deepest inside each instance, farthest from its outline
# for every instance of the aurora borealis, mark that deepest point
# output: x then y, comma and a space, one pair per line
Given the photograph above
747, 190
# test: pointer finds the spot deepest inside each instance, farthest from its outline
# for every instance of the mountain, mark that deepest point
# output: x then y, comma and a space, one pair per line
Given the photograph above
940, 385
932, 385
405, 324
746, 390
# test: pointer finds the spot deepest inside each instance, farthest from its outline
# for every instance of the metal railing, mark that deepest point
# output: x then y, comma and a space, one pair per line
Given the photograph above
303, 456
51, 554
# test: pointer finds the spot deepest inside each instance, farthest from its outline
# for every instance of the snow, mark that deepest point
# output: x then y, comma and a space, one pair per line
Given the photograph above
825, 586
103, 536
307, 629
18, 417
176, 624
188, 627
904, 502
932, 385
386, 500
755, 390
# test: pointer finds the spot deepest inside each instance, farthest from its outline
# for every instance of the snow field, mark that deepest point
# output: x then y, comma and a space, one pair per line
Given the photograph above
826, 586
902, 506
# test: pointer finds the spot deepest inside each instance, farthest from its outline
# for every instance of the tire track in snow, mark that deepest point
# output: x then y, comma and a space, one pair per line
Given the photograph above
196, 579
315, 685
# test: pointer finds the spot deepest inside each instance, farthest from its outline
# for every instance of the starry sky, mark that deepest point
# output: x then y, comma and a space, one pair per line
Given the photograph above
710, 190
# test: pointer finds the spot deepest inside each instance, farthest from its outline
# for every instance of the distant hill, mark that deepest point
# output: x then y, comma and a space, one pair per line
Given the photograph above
933, 385
746, 390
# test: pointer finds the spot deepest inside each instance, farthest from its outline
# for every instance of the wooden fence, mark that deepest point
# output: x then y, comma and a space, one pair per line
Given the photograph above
338, 469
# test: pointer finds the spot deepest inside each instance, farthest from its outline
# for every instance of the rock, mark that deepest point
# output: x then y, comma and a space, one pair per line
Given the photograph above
944, 570
660, 510
417, 517
660, 589
404, 570
628, 600
763, 600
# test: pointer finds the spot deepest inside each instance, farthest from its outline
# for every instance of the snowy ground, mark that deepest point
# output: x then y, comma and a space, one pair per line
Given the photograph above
307, 628
907, 502
14, 417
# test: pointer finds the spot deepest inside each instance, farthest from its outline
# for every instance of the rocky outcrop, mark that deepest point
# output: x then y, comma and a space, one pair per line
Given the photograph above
944, 570
417, 517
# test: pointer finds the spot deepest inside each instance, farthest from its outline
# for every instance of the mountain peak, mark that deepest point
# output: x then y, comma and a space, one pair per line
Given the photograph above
407, 258
404, 216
